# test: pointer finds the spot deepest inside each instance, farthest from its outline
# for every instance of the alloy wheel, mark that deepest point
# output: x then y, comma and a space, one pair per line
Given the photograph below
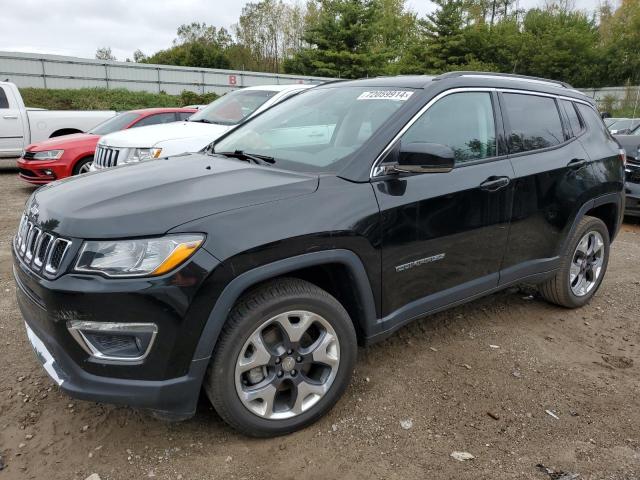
287, 365
586, 264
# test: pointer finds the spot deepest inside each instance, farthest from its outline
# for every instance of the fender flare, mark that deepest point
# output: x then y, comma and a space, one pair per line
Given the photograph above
616, 199
238, 285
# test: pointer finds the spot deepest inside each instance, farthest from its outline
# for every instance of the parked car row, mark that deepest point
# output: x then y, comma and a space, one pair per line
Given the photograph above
253, 268
68, 155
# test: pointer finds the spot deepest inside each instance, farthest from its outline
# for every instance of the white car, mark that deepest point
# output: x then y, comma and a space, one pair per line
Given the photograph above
20, 126
194, 134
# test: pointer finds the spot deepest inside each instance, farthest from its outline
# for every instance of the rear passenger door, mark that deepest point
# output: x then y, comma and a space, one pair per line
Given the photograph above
553, 179
444, 234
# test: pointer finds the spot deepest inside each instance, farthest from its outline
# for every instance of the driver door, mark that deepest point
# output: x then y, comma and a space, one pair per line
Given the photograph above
444, 234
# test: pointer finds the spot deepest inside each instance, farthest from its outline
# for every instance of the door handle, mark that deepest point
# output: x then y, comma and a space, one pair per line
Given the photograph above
577, 163
10, 117
493, 184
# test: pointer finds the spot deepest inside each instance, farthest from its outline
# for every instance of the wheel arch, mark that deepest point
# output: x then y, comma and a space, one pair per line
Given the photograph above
319, 268
79, 159
64, 131
608, 208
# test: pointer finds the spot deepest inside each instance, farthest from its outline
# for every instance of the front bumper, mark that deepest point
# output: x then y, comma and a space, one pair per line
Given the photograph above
39, 172
167, 381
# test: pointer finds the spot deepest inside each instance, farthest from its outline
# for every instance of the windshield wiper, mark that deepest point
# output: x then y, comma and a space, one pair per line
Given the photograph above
250, 157
201, 120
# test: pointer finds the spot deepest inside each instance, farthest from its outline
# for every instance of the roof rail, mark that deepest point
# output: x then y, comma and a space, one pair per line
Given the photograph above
506, 76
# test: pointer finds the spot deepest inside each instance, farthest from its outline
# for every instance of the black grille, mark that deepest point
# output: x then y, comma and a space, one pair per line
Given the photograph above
42, 249
26, 173
56, 256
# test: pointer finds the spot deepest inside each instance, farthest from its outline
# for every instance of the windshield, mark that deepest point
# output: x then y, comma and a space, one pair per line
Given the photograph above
114, 124
316, 130
621, 124
233, 108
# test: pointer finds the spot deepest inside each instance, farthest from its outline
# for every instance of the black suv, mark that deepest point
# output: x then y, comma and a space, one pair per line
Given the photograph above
255, 268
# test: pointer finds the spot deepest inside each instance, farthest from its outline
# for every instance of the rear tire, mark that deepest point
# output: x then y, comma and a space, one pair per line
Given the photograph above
582, 266
82, 166
284, 357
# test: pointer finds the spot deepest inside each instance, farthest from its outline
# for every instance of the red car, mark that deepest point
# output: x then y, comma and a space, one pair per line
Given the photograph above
62, 157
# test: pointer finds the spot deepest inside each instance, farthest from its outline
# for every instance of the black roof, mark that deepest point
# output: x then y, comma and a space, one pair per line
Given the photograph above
471, 79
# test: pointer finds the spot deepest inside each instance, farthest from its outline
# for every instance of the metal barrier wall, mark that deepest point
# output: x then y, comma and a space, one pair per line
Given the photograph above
55, 71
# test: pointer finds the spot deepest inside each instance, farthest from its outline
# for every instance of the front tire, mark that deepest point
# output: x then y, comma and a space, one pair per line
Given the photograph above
582, 266
82, 166
283, 359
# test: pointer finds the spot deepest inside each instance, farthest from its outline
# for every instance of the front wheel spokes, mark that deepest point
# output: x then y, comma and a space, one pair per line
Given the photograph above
260, 399
255, 354
307, 394
325, 350
295, 324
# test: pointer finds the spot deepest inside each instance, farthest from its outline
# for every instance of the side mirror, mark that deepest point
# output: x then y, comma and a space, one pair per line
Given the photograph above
421, 157
605, 115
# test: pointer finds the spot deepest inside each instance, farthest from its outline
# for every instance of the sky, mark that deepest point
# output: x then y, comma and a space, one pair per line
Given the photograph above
79, 27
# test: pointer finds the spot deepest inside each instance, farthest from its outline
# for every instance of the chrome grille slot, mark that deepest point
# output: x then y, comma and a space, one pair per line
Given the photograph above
32, 241
26, 231
106, 157
57, 252
41, 252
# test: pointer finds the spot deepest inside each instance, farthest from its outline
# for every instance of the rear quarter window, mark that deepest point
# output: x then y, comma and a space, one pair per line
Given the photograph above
572, 116
533, 122
4, 101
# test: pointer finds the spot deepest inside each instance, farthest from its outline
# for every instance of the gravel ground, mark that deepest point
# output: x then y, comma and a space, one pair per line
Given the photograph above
479, 378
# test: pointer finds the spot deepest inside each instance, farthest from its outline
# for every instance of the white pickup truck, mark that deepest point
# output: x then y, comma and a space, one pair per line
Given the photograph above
192, 135
20, 126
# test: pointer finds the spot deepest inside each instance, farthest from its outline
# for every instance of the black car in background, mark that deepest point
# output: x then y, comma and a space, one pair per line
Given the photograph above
630, 142
254, 269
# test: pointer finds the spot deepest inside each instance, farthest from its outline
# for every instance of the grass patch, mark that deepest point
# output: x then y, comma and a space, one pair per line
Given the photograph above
107, 99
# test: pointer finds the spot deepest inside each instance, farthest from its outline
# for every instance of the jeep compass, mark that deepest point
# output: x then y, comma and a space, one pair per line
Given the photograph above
253, 269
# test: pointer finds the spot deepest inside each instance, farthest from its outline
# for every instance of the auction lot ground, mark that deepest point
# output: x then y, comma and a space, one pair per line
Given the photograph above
440, 372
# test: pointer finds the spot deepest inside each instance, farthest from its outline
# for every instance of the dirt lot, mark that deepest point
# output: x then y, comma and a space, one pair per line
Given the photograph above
441, 373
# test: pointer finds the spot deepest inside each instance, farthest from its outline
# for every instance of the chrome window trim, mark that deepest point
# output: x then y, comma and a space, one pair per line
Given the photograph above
75, 328
377, 171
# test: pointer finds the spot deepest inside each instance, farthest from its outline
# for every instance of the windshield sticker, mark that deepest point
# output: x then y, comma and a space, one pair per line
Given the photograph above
398, 95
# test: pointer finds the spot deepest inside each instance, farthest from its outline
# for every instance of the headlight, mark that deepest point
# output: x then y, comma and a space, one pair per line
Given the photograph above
137, 257
47, 155
140, 154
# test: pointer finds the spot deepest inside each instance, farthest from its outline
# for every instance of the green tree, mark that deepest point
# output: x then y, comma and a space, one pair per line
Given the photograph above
104, 53
197, 45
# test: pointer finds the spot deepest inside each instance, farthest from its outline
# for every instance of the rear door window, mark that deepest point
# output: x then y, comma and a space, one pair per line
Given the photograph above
533, 122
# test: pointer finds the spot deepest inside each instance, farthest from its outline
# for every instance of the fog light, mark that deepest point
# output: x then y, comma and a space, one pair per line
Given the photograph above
124, 342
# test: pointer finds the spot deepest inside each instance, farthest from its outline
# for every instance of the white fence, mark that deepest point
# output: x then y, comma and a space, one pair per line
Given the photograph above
615, 97
55, 71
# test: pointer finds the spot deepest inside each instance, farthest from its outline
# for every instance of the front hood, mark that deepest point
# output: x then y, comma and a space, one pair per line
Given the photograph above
66, 141
146, 137
153, 197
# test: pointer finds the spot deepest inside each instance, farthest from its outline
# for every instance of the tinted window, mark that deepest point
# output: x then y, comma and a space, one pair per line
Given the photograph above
462, 121
534, 122
184, 115
115, 123
156, 119
4, 102
593, 120
572, 116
